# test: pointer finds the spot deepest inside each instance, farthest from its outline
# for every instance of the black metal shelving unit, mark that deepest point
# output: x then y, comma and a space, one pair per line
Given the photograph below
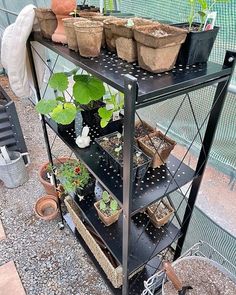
133, 240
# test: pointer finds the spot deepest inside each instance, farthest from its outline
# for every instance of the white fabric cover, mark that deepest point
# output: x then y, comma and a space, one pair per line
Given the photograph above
14, 54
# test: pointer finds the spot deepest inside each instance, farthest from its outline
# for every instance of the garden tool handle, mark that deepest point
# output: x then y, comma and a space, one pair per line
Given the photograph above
170, 272
5, 154
28, 158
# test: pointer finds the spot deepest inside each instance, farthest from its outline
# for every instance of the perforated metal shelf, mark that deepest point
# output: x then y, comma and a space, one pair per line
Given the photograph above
144, 245
155, 185
109, 68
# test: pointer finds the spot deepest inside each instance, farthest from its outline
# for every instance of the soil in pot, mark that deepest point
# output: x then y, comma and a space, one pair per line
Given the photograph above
204, 277
89, 14
126, 46
113, 146
160, 213
157, 146
89, 38
46, 207
158, 46
47, 21
142, 129
70, 31
197, 46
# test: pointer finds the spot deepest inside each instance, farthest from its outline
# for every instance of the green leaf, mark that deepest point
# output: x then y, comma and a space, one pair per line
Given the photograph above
103, 123
60, 98
105, 197
114, 205
104, 113
102, 205
203, 4
87, 88
59, 81
64, 114
46, 106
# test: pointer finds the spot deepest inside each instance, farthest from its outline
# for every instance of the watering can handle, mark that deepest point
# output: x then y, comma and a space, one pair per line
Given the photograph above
5, 154
28, 158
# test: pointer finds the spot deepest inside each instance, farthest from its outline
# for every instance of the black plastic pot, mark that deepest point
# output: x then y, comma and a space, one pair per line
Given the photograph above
88, 112
88, 189
111, 127
138, 171
197, 46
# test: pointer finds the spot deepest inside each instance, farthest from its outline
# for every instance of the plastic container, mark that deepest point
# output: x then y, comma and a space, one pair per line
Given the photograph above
197, 46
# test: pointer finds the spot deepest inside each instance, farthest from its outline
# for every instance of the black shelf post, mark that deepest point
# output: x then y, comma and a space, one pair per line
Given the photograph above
217, 107
131, 91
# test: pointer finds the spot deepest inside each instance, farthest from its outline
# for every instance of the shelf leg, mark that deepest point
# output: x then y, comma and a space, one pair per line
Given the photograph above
217, 106
131, 89
45, 133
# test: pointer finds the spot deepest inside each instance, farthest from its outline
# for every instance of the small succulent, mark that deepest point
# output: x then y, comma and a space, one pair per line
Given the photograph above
107, 204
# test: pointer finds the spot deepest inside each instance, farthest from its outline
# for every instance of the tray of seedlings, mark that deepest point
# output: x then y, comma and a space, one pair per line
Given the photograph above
112, 147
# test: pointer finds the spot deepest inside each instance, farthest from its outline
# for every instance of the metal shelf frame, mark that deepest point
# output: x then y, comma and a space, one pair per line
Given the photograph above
141, 89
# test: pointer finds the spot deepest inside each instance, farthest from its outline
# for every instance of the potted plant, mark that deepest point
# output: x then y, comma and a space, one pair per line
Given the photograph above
75, 178
157, 146
62, 10
158, 46
45, 175
200, 38
112, 144
89, 38
109, 117
47, 21
108, 209
70, 31
160, 212
126, 46
88, 92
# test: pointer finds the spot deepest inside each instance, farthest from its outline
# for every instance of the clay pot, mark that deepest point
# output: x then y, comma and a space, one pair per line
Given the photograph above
89, 38
70, 31
62, 10
48, 187
47, 21
46, 207
107, 220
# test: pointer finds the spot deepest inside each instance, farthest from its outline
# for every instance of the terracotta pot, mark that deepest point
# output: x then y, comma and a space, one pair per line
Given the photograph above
89, 38
107, 220
47, 21
49, 188
46, 207
62, 10
158, 46
70, 31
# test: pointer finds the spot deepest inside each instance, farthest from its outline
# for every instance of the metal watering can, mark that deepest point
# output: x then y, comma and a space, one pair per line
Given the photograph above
13, 168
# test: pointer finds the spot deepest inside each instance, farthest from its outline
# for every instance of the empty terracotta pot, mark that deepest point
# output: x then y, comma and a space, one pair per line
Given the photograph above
62, 10
89, 38
46, 207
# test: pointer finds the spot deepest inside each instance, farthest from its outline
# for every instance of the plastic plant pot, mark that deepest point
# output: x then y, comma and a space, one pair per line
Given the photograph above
111, 127
88, 189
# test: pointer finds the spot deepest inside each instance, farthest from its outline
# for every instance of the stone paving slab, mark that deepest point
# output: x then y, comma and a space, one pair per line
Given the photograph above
2, 233
10, 283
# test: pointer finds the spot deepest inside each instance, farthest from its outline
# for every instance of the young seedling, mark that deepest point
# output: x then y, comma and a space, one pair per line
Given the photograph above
105, 197
113, 206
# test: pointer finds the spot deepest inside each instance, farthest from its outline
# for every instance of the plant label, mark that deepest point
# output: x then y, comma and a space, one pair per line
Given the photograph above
210, 21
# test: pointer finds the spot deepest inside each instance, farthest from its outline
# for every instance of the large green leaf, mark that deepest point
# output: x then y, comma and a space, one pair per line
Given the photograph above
104, 113
87, 88
64, 114
46, 106
59, 81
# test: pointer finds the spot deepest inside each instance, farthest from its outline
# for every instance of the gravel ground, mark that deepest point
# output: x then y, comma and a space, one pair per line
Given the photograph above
49, 261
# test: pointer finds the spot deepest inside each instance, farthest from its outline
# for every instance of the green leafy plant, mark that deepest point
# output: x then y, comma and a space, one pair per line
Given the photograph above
107, 204
86, 89
73, 175
112, 104
205, 7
